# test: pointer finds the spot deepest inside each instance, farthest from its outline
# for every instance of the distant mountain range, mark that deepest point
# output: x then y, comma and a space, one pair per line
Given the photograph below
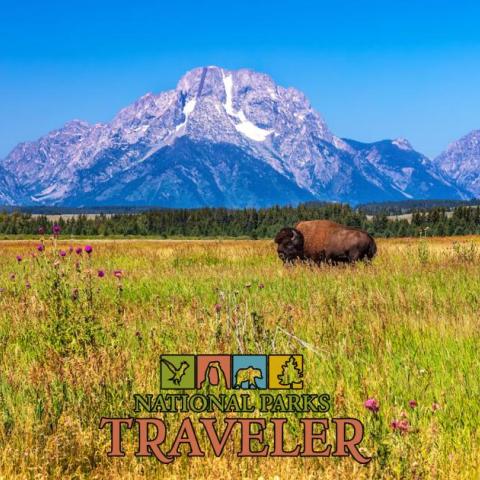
230, 138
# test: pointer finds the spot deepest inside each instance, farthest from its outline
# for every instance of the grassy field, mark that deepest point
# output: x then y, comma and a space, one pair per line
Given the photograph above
76, 345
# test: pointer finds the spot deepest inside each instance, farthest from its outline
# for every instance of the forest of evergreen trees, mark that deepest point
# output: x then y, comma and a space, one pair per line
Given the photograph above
252, 223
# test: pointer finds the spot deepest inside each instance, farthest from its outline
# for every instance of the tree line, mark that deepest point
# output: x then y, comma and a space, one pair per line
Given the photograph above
249, 222
407, 206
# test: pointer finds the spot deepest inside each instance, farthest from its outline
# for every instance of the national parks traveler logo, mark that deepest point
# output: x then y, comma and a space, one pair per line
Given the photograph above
246, 416
240, 372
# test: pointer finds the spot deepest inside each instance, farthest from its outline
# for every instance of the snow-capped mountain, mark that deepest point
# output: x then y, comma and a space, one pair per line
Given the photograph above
461, 162
221, 137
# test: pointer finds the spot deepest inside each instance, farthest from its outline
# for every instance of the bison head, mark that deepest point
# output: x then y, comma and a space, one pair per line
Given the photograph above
290, 244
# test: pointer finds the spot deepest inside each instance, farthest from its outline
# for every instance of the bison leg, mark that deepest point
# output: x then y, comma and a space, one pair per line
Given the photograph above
354, 256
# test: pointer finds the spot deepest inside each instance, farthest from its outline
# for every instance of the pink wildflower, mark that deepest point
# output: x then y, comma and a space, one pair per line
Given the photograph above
372, 405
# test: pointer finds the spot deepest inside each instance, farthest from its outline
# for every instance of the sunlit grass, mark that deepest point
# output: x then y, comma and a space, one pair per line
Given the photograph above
75, 347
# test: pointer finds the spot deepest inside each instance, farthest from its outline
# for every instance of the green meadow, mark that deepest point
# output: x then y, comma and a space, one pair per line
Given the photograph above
80, 334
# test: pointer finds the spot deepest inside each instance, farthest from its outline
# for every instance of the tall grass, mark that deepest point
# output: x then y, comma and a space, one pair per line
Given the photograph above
76, 345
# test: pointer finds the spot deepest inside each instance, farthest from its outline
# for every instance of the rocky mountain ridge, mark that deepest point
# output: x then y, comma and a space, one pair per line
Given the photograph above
221, 138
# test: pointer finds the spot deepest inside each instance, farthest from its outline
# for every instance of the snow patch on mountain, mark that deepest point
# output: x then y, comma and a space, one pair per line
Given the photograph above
187, 110
402, 143
250, 130
245, 127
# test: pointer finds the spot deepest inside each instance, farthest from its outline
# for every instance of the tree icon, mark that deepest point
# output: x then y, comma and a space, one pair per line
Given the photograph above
291, 374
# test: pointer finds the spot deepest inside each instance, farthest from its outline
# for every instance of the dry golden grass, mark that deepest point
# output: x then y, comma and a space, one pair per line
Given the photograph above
405, 327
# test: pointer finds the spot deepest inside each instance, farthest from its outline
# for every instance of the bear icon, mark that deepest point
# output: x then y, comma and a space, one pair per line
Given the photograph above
247, 375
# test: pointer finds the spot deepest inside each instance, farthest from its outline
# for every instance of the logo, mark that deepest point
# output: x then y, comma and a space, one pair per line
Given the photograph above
235, 386
177, 371
285, 371
239, 372
250, 371
213, 370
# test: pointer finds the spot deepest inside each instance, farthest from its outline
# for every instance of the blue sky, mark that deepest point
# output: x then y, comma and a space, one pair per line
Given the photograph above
373, 69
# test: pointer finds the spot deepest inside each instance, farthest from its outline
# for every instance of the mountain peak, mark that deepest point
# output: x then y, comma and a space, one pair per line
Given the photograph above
76, 123
470, 140
402, 143
461, 161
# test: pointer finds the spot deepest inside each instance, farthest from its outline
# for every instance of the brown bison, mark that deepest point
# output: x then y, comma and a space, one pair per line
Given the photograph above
324, 241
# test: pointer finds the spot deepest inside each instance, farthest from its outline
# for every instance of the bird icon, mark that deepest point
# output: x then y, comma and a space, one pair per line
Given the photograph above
178, 373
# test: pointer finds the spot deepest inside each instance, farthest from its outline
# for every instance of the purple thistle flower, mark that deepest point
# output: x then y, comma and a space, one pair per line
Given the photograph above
118, 273
88, 249
218, 308
56, 229
101, 273
78, 250
402, 426
41, 230
372, 405
40, 247
19, 258
62, 253
70, 249
413, 404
